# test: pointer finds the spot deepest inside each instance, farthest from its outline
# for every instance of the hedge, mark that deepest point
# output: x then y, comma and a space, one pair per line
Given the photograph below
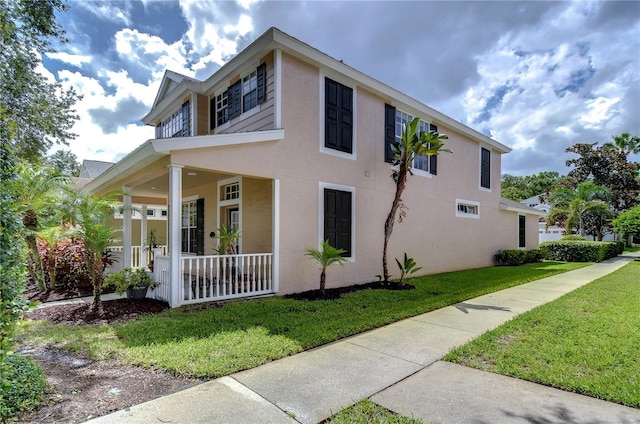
510, 257
582, 251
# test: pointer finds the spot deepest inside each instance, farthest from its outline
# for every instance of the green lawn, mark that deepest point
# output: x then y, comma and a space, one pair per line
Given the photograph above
216, 341
588, 341
367, 412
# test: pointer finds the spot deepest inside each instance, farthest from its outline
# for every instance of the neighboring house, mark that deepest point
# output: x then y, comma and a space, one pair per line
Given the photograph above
291, 147
93, 168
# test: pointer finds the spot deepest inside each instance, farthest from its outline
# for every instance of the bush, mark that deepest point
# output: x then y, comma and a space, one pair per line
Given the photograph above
581, 251
130, 278
71, 262
23, 387
573, 237
511, 257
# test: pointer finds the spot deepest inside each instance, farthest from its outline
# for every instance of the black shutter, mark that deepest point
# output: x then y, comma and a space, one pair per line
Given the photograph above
185, 120
338, 116
522, 239
389, 131
485, 168
337, 219
234, 100
200, 226
212, 112
261, 74
433, 160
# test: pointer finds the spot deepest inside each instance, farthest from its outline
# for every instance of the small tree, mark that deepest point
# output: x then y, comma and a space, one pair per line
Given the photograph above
628, 223
326, 256
408, 267
405, 151
227, 240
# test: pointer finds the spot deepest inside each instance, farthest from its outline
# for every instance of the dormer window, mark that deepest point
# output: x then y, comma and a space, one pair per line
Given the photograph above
242, 96
178, 125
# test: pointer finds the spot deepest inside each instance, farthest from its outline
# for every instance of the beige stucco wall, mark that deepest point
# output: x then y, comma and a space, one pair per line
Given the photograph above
432, 234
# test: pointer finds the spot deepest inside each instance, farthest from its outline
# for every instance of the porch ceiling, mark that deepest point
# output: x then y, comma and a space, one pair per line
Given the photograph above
154, 185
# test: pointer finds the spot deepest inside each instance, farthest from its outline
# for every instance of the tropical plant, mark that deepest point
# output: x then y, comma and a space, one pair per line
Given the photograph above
37, 189
151, 243
407, 267
89, 214
130, 279
411, 145
625, 142
326, 256
227, 240
571, 206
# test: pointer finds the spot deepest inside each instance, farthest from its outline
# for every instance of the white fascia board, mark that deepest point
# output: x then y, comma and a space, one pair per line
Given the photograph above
166, 145
523, 210
142, 156
170, 103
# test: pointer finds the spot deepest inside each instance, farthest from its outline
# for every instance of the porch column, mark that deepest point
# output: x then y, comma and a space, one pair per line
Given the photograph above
276, 236
175, 233
126, 227
144, 256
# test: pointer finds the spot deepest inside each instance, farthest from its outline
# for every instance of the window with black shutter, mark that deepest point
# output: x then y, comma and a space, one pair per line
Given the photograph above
338, 132
485, 168
212, 112
337, 219
389, 131
244, 95
234, 100
522, 239
193, 227
433, 160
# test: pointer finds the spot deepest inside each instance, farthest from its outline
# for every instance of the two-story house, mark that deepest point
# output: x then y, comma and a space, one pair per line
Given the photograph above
291, 147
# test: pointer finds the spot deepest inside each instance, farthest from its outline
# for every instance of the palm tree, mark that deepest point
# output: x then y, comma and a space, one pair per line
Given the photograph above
405, 151
326, 256
89, 215
38, 189
625, 142
571, 206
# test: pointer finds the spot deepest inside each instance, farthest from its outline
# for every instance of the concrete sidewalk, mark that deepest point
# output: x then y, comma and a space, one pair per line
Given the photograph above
396, 366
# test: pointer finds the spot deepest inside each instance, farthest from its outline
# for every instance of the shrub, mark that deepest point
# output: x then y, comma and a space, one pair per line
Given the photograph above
71, 262
24, 387
581, 251
572, 237
130, 278
511, 257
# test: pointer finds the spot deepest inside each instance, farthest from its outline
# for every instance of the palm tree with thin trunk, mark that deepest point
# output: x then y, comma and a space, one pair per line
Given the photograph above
326, 256
411, 144
570, 206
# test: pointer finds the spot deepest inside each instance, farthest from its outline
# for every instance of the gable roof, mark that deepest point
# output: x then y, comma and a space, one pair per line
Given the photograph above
93, 168
513, 206
274, 39
170, 81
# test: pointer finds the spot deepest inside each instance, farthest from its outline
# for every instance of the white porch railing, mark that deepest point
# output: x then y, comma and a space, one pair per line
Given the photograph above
217, 277
139, 257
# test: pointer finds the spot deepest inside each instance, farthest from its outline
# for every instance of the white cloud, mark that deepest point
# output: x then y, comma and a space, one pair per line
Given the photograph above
72, 59
117, 12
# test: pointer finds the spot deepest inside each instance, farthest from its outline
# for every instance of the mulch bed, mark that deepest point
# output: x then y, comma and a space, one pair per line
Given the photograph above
335, 293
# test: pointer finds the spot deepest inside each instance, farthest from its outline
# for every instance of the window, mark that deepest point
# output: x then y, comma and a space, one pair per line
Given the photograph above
467, 209
394, 125
218, 113
193, 227
338, 125
231, 191
485, 168
338, 215
151, 212
242, 96
522, 223
178, 125
163, 213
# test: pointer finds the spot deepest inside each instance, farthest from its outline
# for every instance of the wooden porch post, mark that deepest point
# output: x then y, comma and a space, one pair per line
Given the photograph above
126, 227
175, 234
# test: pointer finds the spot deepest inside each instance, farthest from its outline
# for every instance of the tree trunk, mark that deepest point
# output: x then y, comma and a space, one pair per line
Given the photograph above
36, 270
388, 224
323, 280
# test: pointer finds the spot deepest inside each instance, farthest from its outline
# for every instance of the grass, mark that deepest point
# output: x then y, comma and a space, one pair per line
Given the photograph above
586, 342
367, 412
211, 341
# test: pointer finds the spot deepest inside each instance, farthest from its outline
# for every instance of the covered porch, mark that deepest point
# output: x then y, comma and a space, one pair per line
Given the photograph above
191, 268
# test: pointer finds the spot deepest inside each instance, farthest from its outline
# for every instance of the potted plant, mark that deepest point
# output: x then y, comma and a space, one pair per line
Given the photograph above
149, 244
134, 281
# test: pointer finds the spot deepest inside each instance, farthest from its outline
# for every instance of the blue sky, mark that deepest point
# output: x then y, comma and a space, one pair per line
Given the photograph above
536, 76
